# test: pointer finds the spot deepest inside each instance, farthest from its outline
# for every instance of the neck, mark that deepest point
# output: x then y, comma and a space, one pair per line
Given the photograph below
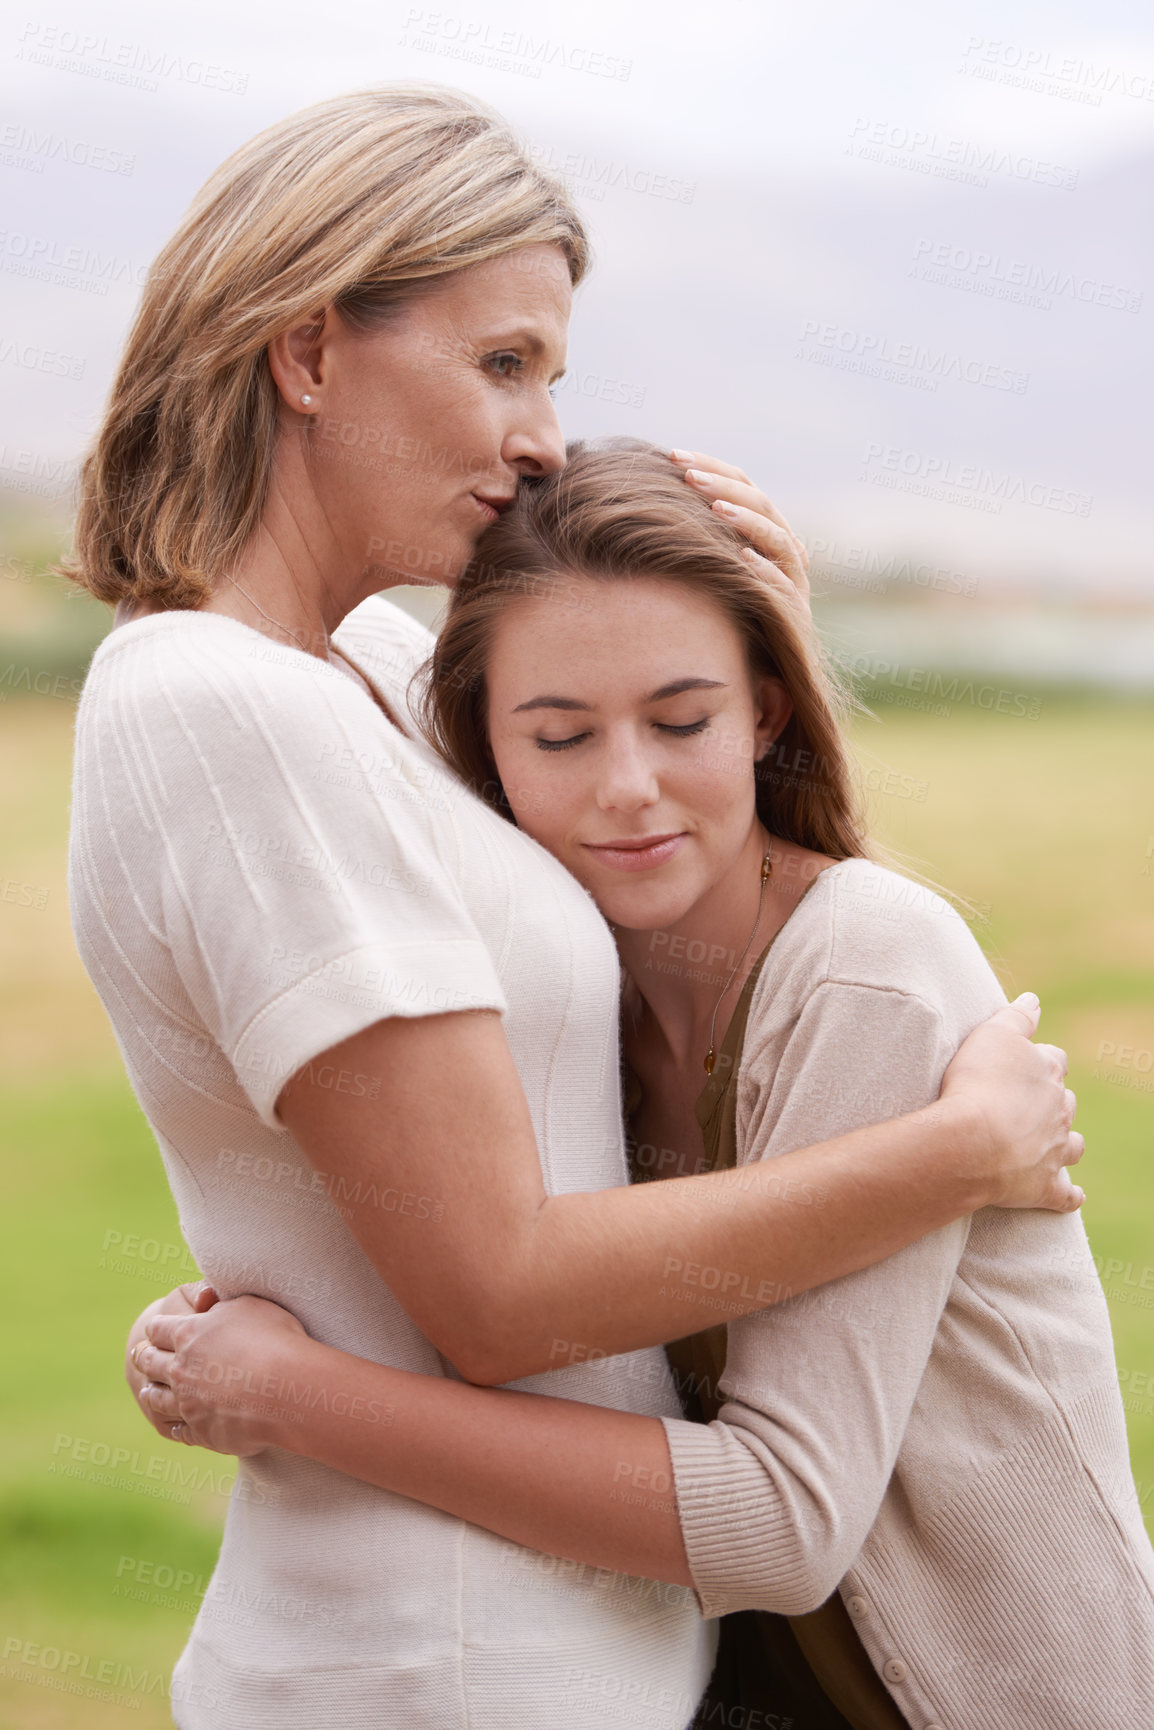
295, 581
696, 967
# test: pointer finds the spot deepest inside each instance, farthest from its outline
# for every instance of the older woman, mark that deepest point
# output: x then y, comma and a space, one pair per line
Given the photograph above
374, 1026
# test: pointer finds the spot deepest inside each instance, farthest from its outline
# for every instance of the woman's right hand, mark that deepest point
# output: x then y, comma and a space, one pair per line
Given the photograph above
774, 550
1024, 1110
187, 1300
225, 1378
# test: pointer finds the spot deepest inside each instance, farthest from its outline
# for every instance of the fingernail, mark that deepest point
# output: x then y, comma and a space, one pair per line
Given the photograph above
681, 456
725, 509
698, 476
1029, 997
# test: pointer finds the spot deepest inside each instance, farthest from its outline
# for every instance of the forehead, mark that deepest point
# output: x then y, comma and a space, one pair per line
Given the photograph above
529, 279
614, 631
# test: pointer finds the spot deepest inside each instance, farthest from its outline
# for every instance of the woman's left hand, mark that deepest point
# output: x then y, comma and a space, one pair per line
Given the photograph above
776, 551
218, 1380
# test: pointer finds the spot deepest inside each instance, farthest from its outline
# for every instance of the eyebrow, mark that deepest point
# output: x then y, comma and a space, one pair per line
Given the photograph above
673, 689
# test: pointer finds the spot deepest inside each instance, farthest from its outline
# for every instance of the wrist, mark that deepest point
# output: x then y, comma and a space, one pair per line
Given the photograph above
971, 1152
330, 1405
290, 1389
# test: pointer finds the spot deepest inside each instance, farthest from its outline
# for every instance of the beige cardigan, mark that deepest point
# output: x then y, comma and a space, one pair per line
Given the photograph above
940, 1437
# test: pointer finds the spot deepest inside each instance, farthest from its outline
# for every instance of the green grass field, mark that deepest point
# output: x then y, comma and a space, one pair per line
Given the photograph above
1046, 826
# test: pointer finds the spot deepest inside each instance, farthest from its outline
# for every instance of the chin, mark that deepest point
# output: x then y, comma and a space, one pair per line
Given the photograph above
656, 910
410, 554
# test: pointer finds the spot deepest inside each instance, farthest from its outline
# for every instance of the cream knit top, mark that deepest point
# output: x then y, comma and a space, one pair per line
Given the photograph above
940, 1437
261, 866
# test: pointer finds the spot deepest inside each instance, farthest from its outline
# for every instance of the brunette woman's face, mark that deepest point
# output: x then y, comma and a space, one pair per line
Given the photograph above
625, 722
420, 429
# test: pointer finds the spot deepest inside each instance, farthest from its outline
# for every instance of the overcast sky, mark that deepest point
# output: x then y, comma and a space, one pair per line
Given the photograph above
895, 261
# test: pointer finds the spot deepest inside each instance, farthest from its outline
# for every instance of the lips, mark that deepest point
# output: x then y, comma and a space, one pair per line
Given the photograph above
492, 504
636, 853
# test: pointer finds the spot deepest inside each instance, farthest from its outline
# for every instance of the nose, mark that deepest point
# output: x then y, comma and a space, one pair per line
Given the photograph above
627, 780
536, 444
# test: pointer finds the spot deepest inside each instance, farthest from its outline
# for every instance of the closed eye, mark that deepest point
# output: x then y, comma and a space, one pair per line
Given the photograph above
685, 732
561, 744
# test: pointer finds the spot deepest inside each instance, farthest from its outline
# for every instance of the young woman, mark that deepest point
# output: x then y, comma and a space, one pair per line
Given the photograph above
301, 924
939, 1439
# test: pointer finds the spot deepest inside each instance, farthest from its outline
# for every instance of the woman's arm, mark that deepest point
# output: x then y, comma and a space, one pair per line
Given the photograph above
570, 1479
507, 1281
772, 1502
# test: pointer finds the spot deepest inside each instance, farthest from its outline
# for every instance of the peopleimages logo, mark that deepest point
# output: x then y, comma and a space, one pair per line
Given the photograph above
976, 271
1043, 70
478, 41
967, 483
901, 361
593, 175
860, 567
79, 267
33, 358
925, 152
117, 62
26, 147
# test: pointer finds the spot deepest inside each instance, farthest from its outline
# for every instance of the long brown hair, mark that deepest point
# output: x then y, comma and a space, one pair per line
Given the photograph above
356, 202
620, 509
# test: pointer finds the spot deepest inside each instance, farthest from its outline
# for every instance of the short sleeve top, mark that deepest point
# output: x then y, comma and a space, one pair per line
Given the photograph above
261, 866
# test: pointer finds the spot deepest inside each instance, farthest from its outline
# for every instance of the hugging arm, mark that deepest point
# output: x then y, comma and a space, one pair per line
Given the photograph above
507, 1281
596, 1485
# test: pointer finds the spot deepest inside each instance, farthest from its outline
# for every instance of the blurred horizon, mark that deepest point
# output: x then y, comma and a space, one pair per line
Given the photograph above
895, 267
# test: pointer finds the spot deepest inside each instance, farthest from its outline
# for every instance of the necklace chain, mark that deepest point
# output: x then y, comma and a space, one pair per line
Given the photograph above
766, 874
252, 600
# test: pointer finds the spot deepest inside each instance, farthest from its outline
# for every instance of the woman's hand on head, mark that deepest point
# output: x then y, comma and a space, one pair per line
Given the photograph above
1024, 1110
774, 550
216, 1379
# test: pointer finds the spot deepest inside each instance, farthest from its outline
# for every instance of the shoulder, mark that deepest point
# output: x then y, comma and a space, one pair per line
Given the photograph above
885, 927
203, 691
188, 652
866, 927
388, 641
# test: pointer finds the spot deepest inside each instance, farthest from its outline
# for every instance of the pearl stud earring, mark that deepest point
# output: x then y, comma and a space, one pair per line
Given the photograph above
306, 400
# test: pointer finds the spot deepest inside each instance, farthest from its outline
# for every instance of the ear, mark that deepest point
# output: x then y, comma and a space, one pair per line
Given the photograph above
772, 710
298, 360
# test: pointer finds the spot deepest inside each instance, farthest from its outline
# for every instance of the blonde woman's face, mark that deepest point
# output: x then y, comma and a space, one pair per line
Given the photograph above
625, 723
424, 426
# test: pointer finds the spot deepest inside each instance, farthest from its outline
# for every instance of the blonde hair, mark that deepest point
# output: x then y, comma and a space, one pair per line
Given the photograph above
357, 202
620, 509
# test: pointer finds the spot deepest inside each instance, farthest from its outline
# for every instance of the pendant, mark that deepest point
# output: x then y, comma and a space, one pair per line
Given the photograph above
710, 1061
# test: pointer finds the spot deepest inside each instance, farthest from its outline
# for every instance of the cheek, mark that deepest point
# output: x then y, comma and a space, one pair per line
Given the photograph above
445, 413
401, 433
536, 797
717, 785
